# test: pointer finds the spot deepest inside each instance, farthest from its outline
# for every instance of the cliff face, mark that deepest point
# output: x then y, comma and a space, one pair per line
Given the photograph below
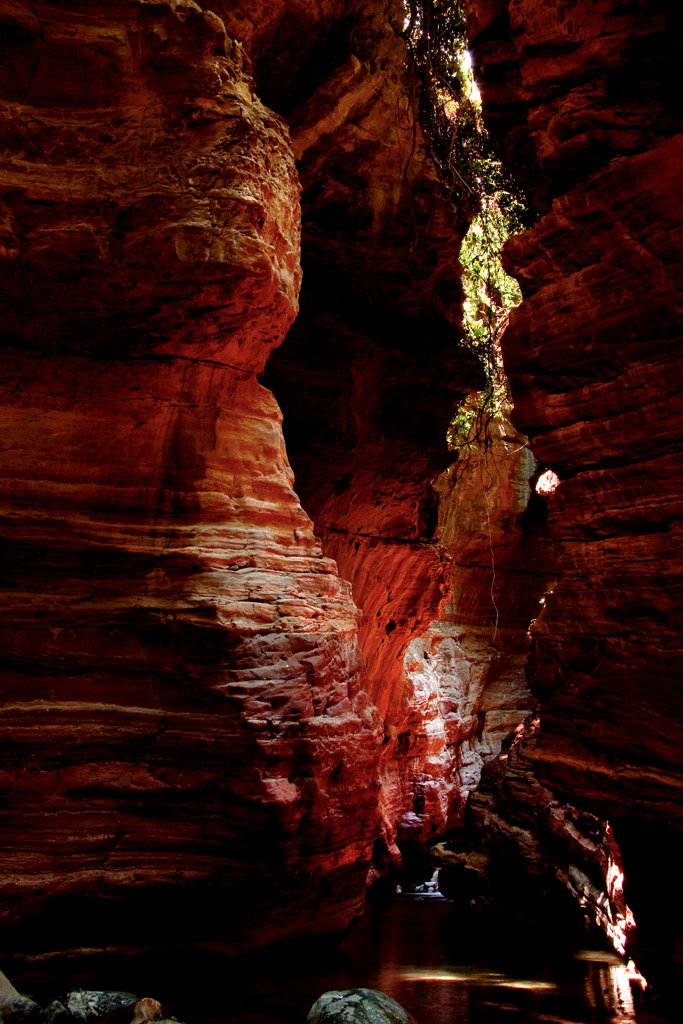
182, 702
464, 685
373, 368
582, 99
189, 683
519, 841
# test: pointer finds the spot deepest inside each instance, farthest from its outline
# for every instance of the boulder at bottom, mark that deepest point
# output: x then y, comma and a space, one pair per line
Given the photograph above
14, 1006
358, 1006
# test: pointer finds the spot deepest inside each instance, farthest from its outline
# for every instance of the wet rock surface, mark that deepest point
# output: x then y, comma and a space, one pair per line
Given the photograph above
79, 1006
94, 1006
357, 1006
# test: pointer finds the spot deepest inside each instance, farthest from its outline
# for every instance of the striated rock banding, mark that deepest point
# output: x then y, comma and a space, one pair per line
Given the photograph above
581, 98
374, 367
183, 719
465, 689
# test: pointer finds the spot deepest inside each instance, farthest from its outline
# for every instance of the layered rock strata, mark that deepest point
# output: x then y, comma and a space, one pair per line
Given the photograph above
185, 706
465, 688
184, 725
521, 852
366, 482
373, 368
581, 99
184, 685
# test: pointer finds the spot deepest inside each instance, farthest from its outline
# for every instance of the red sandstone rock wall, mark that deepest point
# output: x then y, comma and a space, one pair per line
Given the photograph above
519, 841
465, 689
373, 369
182, 703
582, 97
183, 680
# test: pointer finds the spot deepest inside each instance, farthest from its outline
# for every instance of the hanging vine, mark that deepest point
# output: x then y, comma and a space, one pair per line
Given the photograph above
465, 157
490, 294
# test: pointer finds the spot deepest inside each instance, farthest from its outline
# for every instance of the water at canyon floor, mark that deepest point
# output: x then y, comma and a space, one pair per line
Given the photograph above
415, 950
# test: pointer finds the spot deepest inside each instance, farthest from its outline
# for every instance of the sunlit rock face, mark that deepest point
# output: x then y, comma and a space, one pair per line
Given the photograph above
352, 419
582, 98
522, 854
373, 368
465, 689
186, 739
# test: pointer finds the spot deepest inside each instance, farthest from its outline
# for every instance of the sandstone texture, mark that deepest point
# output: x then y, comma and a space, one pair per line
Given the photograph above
582, 99
366, 482
374, 367
465, 689
533, 861
221, 689
198, 718
357, 1006
184, 728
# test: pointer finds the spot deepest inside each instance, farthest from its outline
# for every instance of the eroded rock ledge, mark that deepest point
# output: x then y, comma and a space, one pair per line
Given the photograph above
186, 704
185, 693
182, 699
581, 98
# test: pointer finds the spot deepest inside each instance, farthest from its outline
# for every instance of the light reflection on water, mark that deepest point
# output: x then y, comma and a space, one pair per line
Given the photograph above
418, 952
413, 951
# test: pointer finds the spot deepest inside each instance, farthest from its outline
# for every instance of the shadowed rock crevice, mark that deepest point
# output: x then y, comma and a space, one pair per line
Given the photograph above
206, 699
594, 359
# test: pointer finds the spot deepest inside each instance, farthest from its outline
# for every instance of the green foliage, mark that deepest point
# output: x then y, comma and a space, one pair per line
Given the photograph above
450, 107
490, 294
464, 154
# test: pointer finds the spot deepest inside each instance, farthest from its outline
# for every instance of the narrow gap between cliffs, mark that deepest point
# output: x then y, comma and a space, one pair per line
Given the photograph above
445, 646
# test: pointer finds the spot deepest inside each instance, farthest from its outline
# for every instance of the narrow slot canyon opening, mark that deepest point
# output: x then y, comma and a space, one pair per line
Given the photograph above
449, 569
265, 640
